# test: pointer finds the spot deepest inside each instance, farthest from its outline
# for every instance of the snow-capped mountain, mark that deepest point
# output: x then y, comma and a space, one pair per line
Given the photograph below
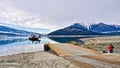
75, 29
94, 29
101, 27
77, 26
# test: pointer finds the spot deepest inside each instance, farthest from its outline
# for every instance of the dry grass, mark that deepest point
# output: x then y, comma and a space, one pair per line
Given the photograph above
83, 48
58, 51
101, 43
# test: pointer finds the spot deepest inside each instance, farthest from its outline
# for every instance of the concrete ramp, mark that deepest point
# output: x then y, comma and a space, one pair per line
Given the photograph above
65, 50
76, 53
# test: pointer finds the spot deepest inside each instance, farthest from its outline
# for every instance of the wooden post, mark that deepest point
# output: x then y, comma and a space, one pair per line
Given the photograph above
46, 47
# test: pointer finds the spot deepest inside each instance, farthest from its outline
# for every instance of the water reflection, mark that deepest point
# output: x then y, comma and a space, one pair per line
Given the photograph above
21, 45
10, 41
66, 39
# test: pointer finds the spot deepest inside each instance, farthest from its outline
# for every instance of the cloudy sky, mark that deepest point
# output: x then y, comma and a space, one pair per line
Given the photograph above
55, 14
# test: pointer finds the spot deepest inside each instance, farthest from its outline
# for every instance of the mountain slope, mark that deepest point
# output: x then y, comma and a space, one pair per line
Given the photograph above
94, 29
13, 32
75, 29
101, 27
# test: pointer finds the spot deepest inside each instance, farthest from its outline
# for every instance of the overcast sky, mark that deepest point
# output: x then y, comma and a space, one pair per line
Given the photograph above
55, 14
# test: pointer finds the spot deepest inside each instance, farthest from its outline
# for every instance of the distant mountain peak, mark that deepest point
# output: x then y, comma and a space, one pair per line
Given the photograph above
101, 23
83, 24
94, 29
78, 26
102, 27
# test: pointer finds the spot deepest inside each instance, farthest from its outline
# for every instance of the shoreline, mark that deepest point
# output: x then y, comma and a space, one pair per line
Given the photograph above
46, 59
101, 43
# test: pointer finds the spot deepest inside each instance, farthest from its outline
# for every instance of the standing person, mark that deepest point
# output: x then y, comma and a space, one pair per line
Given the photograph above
111, 48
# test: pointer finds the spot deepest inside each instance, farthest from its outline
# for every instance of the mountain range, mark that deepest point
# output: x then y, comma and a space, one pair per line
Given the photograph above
101, 27
74, 29
94, 29
8, 31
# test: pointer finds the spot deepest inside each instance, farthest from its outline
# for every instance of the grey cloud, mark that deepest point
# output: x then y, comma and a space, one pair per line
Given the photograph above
66, 11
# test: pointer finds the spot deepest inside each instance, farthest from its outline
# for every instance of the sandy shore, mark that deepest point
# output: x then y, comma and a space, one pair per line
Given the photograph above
17, 58
43, 59
35, 60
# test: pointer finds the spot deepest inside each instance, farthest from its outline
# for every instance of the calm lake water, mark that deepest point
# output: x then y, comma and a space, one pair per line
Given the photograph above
13, 45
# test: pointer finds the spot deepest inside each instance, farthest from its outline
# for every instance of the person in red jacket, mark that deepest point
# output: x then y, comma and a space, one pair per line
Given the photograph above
111, 48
